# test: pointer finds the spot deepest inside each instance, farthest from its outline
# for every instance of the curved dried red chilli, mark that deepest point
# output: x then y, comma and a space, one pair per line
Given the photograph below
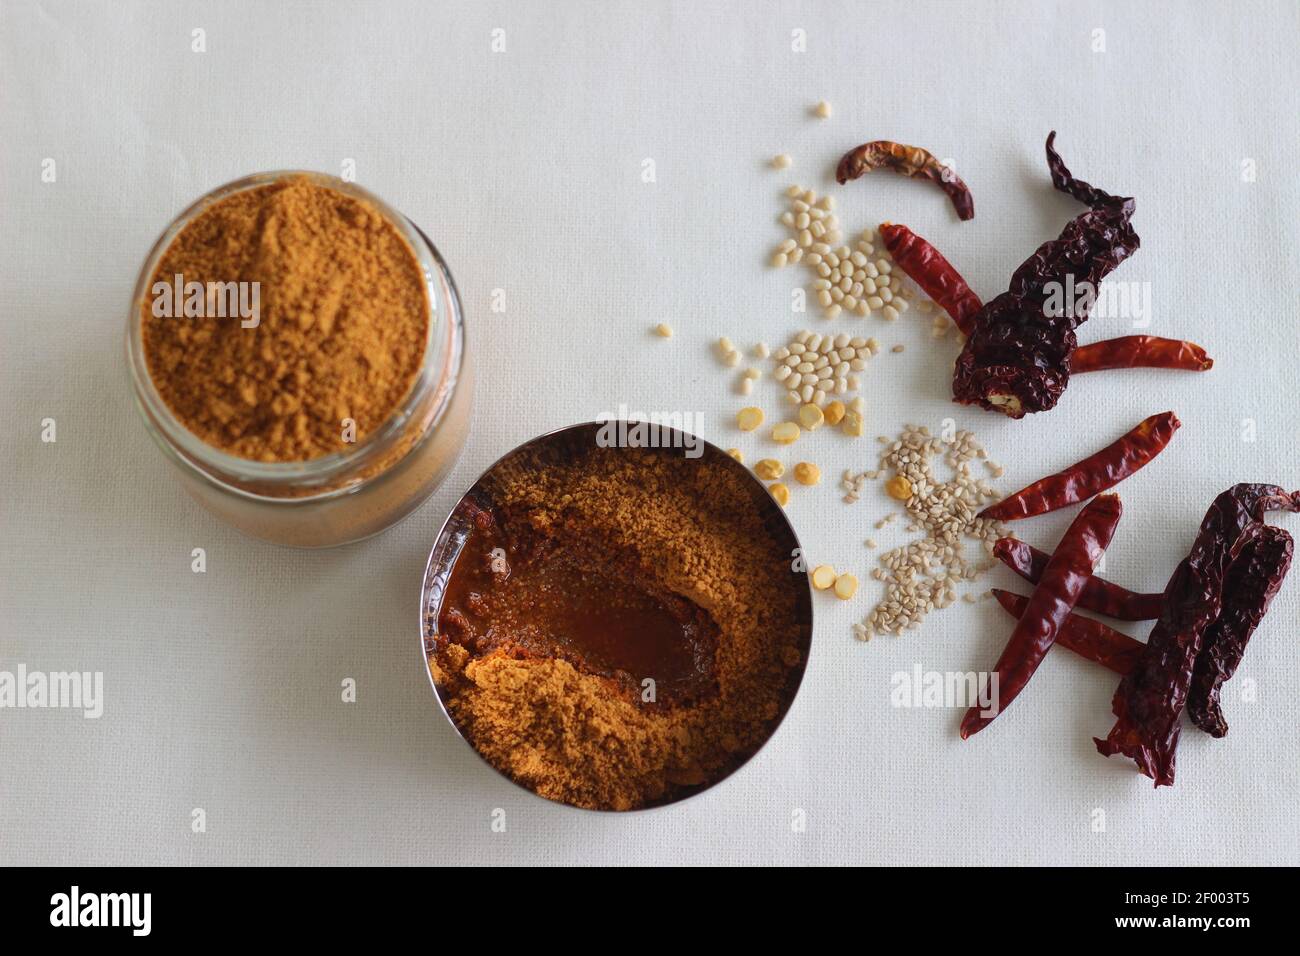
1150, 699
1016, 359
932, 272
1091, 640
909, 161
1260, 561
1097, 472
1140, 351
1098, 595
1069, 568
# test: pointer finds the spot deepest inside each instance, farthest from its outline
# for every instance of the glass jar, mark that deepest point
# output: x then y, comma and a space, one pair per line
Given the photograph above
344, 496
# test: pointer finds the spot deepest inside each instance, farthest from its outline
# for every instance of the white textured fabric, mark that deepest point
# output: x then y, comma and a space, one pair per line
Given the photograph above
222, 690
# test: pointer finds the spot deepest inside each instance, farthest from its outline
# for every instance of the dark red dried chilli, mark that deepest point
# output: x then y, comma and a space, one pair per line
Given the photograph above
1091, 640
1260, 561
1098, 595
1017, 357
1150, 699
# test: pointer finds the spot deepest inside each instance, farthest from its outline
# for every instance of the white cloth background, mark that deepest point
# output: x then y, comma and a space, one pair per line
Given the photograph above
223, 689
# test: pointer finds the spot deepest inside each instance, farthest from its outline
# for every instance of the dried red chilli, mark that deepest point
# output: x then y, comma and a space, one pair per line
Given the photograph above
1093, 474
909, 161
1140, 351
932, 272
1091, 640
1098, 595
1016, 359
1260, 560
1149, 701
1068, 570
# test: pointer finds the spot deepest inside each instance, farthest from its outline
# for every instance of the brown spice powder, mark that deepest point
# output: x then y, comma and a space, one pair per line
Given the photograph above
344, 317
686, 526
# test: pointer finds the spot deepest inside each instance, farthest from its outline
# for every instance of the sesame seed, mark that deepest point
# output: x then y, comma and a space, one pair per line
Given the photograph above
919, 577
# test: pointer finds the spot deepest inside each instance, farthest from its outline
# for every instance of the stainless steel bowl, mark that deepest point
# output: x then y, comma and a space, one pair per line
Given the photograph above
569, 443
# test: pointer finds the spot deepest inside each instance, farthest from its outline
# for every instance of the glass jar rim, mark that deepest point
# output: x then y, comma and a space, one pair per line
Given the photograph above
439, 366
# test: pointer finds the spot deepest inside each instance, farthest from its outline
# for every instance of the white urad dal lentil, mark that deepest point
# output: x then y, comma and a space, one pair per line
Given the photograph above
813, 367
854, 281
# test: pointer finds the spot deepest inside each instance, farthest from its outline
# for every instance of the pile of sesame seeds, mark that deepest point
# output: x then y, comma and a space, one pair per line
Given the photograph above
924, 574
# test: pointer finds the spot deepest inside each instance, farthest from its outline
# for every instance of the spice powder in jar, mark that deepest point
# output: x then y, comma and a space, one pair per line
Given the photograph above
298, 353
337, 340
620, 628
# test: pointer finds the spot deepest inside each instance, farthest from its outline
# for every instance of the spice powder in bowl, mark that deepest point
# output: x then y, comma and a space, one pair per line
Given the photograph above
612, 627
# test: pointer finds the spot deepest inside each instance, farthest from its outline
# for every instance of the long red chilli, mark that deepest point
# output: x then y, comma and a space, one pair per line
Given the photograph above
1091, 640
1094, 474
1139, 351
933, 273
1069, 569
1098, 595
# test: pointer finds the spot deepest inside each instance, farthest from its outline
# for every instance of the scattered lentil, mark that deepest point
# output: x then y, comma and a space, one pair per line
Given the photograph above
749, 418
810, 417
846, 585
784, 433
806, 473
899, 488
823, 577
769, 469
781, 493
